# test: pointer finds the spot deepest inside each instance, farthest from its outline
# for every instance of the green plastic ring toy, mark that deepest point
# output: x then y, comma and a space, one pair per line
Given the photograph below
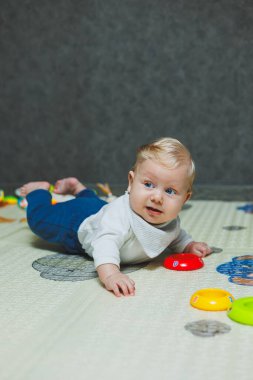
242, 311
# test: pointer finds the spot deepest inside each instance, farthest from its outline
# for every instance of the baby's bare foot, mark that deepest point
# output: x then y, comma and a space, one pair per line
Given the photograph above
28, 187
70, 185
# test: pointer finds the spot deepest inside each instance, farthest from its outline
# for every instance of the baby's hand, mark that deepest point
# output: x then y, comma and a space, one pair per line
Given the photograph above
198, 248
120, 284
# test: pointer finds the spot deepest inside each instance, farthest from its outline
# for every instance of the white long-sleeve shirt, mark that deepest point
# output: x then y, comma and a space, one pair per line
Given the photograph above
116, 234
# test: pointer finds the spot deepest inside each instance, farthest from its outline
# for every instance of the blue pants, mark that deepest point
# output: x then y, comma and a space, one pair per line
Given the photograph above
59, 223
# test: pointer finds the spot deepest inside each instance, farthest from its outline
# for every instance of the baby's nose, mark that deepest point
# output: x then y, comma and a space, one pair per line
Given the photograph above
157, 196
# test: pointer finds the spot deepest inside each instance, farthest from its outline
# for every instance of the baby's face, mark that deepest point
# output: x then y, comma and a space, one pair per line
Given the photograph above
156, 193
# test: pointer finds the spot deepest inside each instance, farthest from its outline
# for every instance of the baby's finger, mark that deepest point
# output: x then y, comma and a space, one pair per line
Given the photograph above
131, 287
124, 288
198, 252
206, 250
127, 287
132, 291
116, 290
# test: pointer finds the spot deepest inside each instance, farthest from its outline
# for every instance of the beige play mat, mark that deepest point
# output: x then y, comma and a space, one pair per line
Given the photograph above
58, 323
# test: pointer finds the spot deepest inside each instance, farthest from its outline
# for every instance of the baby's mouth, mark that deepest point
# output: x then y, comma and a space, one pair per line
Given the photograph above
153, 211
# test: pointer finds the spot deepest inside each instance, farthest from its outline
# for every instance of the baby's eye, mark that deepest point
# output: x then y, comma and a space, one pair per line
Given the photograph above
149, 185
170, 191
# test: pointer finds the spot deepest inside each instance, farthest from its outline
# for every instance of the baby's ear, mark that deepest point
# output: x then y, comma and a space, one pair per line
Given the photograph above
130, 179
188, 196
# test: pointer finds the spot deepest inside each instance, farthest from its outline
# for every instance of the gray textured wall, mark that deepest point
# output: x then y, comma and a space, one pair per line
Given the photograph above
83, 83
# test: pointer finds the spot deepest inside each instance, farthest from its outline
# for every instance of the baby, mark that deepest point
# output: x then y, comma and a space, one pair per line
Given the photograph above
134, 228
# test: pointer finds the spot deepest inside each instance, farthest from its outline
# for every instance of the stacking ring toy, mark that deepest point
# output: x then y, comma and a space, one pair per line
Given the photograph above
212, 299
242, 311
183, 261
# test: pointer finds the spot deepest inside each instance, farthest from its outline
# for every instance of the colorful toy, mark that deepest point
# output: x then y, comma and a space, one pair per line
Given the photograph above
212, 299
239, 270
10, 200
242, 311
7, 199
105, 188
1, 195
183, 262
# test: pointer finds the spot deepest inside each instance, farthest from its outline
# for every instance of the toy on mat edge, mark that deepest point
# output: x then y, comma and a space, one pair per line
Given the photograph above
105, 188
241, 311
7, 199
211, 299
183, 262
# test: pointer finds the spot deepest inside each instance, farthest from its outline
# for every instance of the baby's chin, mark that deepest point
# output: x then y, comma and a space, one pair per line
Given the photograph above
152, 221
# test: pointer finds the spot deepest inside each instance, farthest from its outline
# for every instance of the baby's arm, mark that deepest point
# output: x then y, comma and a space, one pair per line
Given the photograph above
114, 280
198, 248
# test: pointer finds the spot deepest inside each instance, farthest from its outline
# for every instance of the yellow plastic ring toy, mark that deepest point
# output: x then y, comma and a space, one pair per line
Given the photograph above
212, 299
242, 311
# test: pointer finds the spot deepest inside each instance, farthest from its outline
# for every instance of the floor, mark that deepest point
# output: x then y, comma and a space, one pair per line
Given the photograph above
58, 322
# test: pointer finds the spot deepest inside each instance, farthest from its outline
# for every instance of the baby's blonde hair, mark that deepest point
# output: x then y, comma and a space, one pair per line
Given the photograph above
169, 152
